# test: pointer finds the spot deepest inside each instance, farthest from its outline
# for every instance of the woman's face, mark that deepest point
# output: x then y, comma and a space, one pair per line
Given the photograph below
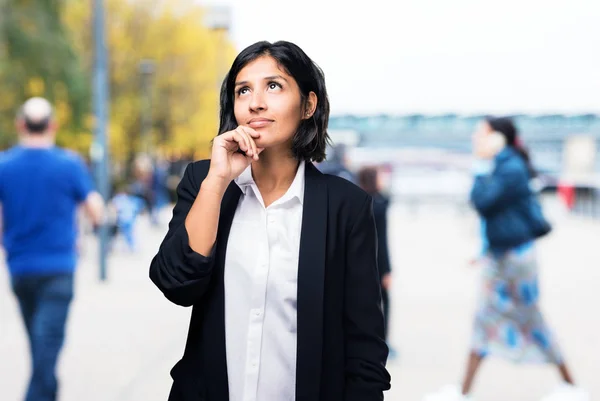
483, 129
486, 142
268, 99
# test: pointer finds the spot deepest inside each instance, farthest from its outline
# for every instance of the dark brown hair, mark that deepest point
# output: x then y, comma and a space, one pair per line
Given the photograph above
311, 138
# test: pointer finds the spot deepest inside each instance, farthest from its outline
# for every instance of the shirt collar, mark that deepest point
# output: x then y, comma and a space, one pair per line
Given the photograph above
296, 190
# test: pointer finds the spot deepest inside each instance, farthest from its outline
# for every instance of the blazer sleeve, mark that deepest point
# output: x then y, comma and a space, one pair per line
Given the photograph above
178, 271
366, 350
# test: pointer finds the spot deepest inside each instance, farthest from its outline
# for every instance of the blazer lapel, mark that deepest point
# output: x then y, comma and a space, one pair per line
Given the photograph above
216, 353
311, 281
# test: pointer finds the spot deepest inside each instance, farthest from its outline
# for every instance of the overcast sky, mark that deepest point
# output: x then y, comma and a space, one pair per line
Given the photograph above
432, 56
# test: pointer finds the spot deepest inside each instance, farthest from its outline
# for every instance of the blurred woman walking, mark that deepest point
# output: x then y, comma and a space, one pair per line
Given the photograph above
508, 322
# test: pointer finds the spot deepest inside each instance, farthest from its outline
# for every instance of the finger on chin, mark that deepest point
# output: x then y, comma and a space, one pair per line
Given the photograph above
251, 131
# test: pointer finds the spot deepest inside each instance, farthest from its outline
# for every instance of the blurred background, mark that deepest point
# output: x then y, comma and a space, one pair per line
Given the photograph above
408, 84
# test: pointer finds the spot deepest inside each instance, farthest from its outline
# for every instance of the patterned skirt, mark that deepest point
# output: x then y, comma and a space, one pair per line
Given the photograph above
508, 322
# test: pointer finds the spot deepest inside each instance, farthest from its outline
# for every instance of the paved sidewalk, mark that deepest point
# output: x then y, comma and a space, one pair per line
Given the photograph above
124, 336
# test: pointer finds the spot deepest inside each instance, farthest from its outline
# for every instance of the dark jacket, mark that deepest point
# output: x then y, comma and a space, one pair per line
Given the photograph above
380, 209
502, 199
341, 352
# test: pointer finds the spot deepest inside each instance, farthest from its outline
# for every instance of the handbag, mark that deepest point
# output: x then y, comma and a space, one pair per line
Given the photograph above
539, 225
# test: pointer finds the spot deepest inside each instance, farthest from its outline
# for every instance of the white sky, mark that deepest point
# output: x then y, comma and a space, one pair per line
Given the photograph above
432, 56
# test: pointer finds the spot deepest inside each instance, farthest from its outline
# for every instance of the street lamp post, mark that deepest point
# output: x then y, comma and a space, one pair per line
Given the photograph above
99, 150
218, 19
146, 69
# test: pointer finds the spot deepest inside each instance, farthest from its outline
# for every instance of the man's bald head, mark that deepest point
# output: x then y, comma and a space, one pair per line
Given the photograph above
36, 115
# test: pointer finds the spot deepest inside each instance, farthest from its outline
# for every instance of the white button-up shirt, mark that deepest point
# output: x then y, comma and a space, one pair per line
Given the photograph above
261, 281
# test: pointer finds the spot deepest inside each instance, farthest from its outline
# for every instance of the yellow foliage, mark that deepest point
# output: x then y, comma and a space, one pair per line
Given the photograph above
185, 53
35, 87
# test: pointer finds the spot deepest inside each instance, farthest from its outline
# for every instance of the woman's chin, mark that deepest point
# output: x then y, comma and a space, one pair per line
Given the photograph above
273, 145
264, 143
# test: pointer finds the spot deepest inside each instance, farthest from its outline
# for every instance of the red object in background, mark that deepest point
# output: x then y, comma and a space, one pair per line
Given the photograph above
567, 194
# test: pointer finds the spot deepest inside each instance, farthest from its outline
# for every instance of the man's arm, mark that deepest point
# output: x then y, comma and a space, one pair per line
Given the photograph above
86, 196
93, 205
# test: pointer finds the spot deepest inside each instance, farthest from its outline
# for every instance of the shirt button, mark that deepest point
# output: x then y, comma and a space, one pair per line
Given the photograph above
257, 313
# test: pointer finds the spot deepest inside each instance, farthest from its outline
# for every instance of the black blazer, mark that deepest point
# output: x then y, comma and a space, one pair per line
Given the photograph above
341, 352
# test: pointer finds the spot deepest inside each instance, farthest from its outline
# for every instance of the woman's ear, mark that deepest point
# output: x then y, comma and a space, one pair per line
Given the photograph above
311, 105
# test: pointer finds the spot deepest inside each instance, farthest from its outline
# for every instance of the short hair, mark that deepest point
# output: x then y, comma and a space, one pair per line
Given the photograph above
311, 138
36, 113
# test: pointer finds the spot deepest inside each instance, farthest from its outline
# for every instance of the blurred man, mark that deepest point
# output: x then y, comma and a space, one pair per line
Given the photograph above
41, 187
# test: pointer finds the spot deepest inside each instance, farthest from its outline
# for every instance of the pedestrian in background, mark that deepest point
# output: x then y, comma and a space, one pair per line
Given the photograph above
41, 187
508, 322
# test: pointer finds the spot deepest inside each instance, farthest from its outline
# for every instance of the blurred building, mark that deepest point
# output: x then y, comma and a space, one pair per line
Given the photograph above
544, 135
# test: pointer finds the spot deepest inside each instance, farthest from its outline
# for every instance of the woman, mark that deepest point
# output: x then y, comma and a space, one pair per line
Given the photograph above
368, 179
508, 322
277, 259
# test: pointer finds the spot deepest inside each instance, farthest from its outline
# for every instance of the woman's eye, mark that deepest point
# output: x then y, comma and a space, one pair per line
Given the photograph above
242, 91
274, 85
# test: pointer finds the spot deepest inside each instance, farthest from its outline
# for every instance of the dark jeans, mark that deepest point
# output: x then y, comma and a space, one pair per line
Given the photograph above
44, 302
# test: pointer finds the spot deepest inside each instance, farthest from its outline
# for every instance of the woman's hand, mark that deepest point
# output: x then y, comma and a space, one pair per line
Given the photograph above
487, 146
386, 281
226, 161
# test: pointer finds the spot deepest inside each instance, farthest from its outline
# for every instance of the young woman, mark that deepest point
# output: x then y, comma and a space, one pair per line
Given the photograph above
508, 322
277, 259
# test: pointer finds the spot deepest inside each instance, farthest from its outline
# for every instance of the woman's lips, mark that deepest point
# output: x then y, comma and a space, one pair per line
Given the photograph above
259, 123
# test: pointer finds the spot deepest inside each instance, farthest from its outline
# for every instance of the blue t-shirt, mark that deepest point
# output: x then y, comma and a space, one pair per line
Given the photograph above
40, 190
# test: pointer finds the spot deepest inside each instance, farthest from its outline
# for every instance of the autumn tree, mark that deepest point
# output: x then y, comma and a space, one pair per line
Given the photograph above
46, 49
183, 86
37, 59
